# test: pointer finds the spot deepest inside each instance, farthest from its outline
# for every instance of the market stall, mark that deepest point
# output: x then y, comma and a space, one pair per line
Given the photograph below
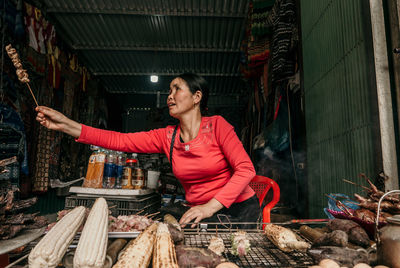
72, 205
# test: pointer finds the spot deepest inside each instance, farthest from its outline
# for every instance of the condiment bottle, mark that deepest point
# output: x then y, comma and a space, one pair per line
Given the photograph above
139, 179
129, 171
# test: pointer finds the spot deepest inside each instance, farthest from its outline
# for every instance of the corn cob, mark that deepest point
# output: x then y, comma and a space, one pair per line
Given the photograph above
168, 218
164, 255
52, 247
92, 245
138, 254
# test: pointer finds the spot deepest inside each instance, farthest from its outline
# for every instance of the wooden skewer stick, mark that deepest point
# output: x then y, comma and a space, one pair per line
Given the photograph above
362, 186
339, 204
153, 214
32, 94
348, 200
137, 213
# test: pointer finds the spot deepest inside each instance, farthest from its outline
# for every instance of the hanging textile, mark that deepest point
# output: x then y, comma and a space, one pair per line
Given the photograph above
45, 153
260, 25
9, 117
34, 28
284, 40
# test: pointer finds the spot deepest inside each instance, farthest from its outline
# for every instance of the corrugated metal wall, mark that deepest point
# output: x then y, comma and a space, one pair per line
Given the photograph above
340, 97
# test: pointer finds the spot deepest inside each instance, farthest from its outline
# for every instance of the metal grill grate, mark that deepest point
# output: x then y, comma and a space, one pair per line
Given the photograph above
262, 254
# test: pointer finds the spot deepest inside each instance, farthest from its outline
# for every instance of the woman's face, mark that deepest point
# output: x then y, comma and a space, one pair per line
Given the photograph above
180, 99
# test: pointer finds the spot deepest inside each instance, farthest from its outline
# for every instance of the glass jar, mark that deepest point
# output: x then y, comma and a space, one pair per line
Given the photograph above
139, 179
129, 171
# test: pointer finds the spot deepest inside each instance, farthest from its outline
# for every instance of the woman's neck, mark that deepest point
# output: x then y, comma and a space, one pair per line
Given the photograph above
190, 126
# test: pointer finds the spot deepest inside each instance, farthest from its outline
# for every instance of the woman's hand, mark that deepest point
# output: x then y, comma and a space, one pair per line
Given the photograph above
200, 212
55, 120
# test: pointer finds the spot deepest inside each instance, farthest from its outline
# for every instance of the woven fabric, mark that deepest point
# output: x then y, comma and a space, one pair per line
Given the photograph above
261, 17
44, 151
284, 38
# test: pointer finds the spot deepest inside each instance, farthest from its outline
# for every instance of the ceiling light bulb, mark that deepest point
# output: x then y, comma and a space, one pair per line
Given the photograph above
154, 78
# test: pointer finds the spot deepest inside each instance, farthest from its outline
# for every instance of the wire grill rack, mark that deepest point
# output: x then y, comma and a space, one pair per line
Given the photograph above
262, 254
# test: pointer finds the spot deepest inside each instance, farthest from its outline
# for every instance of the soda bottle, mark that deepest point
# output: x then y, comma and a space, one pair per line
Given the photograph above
109, 170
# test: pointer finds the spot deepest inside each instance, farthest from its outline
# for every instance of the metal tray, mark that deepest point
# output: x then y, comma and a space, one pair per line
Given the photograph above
24, 237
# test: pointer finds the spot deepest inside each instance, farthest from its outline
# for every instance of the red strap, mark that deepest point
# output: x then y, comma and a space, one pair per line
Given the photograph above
277, 107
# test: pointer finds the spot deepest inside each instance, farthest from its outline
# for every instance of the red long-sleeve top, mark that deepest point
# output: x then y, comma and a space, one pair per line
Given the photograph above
213, 165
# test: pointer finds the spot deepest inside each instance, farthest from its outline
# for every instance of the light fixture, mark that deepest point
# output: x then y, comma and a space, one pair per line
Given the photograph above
154, 78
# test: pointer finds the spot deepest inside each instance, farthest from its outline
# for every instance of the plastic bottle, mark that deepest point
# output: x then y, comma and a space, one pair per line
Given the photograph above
88, 182
119, 169
99, 169
110, 170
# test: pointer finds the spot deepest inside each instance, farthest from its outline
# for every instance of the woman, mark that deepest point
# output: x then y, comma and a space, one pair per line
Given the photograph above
207, 156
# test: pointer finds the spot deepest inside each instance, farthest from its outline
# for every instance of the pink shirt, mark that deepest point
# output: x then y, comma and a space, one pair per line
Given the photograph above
212, 165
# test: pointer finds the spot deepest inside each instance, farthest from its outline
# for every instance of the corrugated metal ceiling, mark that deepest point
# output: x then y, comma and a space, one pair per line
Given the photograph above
123, 42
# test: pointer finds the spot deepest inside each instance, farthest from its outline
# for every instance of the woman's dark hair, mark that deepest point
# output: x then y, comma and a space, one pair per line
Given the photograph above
197, 83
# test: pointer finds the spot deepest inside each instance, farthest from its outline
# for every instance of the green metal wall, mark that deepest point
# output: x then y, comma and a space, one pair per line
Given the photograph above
340, 97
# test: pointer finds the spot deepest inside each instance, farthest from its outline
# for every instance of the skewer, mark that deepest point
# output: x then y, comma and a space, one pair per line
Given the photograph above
137, 213
17, 261
153, 214
348, 200
362, 186
21, 73
339, 204
33, 95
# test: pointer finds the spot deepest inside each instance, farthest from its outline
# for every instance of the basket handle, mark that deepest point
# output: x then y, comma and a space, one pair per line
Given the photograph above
378, 210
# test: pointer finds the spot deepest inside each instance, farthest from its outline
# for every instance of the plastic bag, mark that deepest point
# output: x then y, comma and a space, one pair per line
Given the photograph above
332, 204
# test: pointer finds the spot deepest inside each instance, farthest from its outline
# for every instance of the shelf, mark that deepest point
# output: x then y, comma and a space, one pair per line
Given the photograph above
120, 193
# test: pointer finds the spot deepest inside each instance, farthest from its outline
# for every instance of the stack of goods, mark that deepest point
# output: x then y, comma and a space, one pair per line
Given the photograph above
122, 223
341, 241
366, 207
12, 220
111, 169
261, 29
92, 245
160, 244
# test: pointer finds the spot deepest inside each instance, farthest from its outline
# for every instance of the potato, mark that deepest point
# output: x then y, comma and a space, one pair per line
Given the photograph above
314, 266
361, 265
381, 266
328, 263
